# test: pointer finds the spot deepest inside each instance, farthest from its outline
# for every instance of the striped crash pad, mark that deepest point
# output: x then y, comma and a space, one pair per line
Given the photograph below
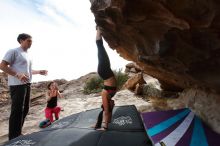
126, 129
178, 128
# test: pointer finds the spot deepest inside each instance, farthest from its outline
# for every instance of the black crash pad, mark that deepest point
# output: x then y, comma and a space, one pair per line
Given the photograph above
126, 129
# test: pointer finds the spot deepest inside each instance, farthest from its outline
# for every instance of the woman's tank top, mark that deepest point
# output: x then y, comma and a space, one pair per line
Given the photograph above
52, 102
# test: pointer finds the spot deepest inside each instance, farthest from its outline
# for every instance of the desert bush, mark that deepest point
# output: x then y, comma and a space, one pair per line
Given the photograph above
121, 78
95, 84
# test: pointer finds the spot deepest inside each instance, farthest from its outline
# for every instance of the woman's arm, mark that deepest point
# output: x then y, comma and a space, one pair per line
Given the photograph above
59, 94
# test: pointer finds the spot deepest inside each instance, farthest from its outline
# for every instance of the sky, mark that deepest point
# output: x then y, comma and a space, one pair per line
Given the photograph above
63, 33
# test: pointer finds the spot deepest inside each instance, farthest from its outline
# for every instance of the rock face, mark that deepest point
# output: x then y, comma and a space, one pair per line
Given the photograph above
175, 41
203, 102
3, 88
134, 80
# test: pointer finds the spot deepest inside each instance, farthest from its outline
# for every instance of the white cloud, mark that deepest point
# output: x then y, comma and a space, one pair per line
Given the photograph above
63, 36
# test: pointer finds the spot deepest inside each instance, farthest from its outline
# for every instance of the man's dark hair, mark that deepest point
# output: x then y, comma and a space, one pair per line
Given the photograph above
23, 36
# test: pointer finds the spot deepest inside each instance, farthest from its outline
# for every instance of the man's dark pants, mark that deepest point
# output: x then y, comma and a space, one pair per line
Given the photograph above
20, 98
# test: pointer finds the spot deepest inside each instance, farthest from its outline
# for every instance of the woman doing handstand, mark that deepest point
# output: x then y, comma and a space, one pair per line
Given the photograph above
109, 90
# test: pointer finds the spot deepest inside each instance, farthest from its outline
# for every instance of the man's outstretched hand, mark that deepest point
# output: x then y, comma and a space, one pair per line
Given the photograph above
43, 72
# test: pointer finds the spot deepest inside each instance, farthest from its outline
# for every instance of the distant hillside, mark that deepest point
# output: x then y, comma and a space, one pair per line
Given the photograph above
38, 89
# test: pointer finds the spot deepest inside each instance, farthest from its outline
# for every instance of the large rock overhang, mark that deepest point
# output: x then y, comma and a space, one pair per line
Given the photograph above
175, 41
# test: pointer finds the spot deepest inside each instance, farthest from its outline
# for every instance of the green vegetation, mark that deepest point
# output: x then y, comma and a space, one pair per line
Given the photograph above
121, 78
95, 84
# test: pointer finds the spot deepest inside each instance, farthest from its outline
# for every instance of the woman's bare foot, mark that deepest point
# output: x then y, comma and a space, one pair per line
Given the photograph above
94, 125
102, 129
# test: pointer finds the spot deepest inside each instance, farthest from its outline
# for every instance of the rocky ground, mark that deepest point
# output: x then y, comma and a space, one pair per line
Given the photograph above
140, 90
75, 101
